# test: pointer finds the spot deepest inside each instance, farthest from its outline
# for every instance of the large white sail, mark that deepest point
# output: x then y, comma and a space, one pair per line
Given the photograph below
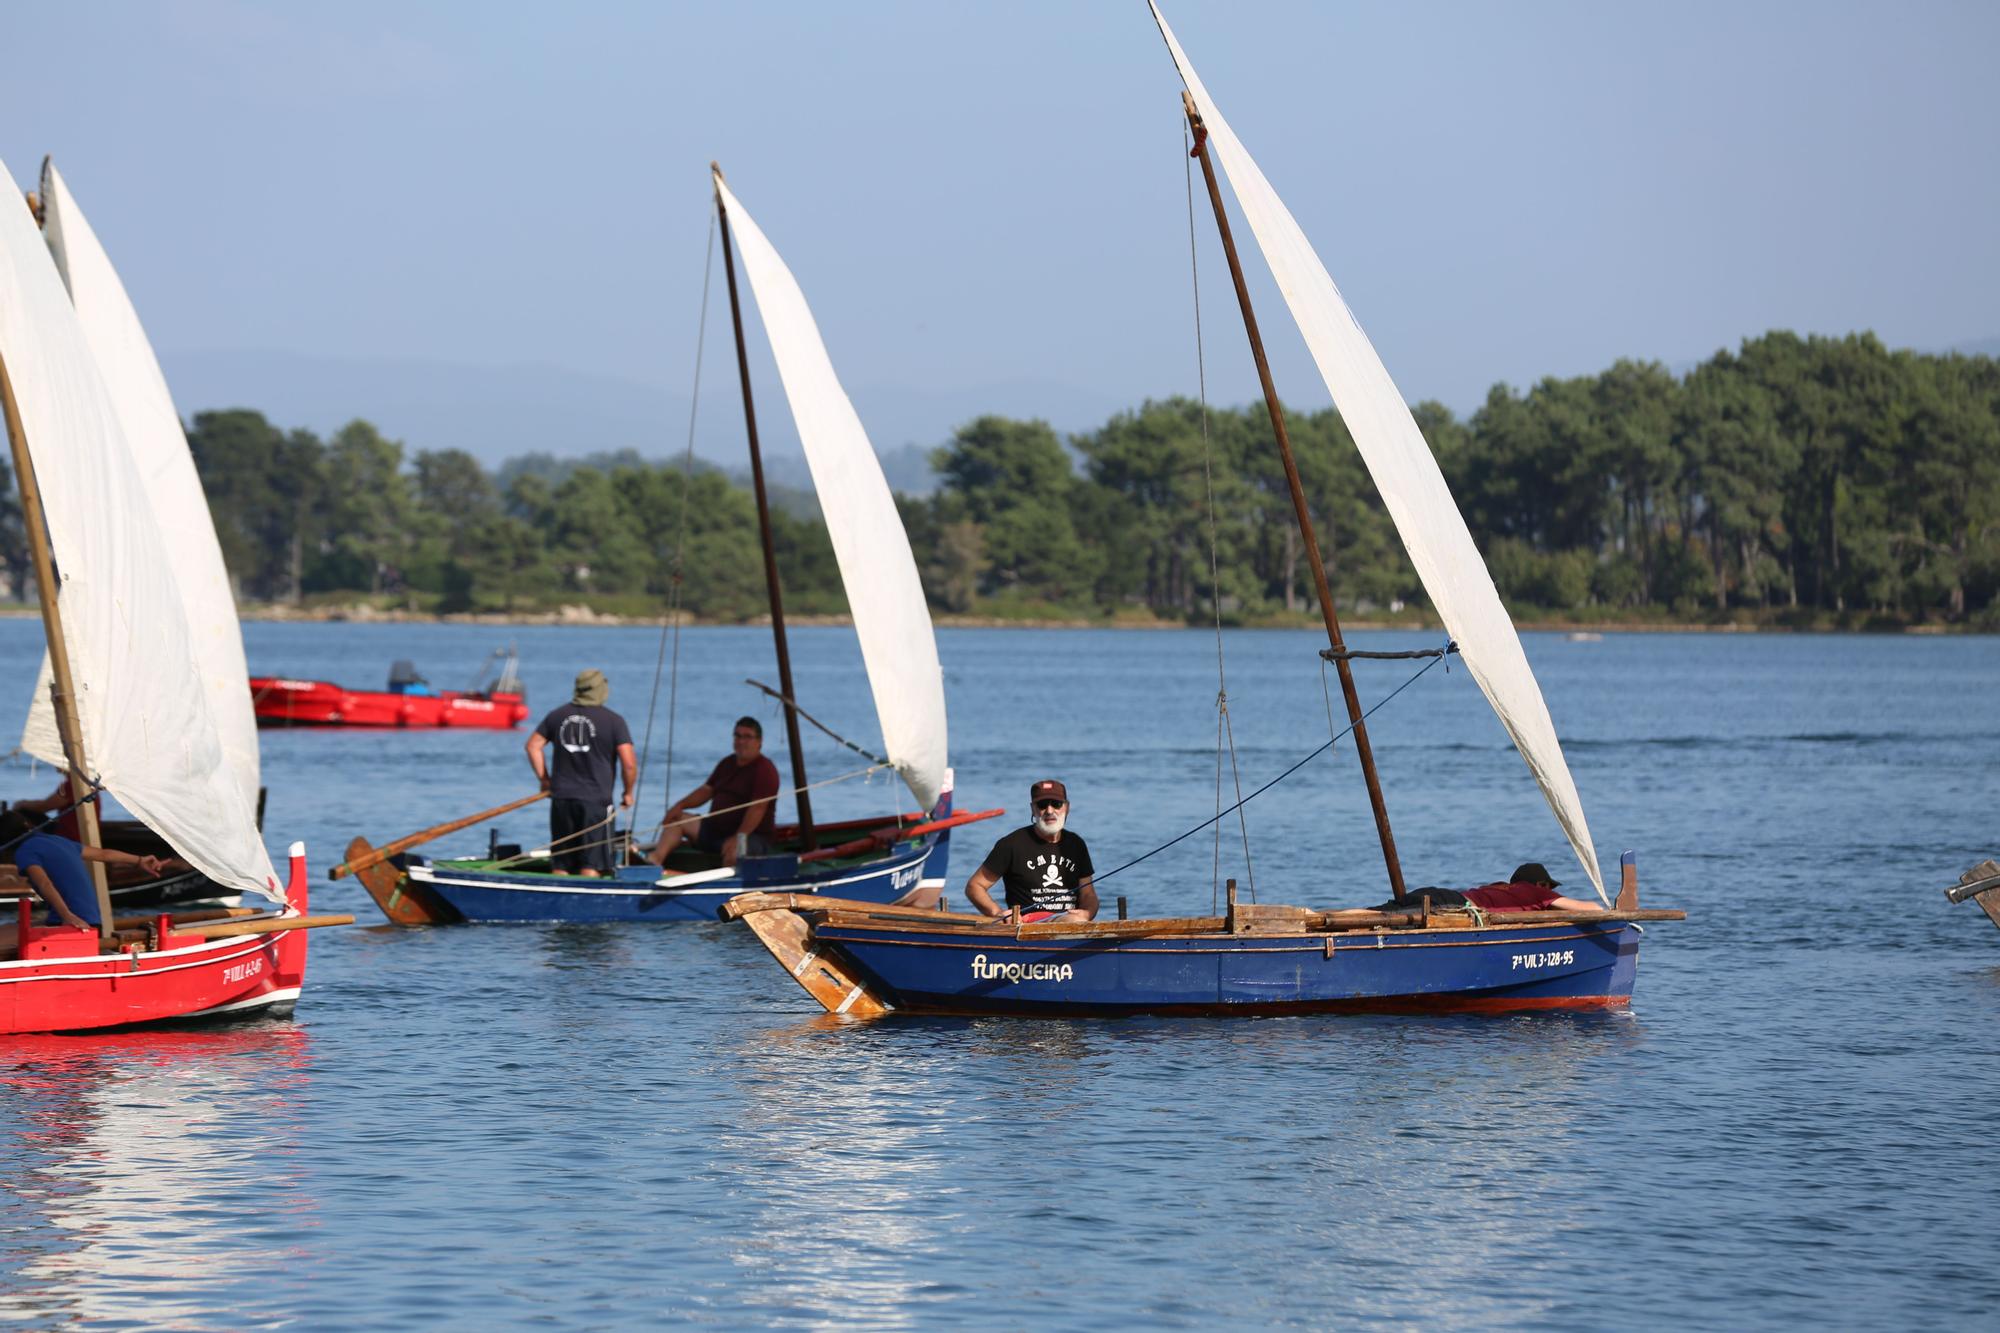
148, 732
880, 574
1406, 474
166, 470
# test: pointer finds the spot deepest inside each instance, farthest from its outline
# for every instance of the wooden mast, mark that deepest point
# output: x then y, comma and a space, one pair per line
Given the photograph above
764, 530
62, 689
1354, 715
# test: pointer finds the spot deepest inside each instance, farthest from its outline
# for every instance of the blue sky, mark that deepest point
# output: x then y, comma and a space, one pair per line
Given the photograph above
985, 202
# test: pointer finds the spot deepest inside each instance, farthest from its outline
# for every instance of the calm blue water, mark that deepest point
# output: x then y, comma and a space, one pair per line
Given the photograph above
588, 1127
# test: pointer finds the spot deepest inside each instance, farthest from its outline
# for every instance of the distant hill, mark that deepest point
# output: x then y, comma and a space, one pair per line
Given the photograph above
496, 413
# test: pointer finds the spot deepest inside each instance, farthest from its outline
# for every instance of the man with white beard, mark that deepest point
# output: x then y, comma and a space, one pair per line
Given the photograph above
1047, 868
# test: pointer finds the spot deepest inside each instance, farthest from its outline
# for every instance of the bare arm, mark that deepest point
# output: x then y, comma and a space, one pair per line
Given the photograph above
628, 761
696, 797
1575, 905
45, 886
152, 865
976, 892
536, 744
1086, 902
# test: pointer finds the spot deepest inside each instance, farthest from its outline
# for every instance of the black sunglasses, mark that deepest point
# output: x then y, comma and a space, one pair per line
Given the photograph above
1050, 804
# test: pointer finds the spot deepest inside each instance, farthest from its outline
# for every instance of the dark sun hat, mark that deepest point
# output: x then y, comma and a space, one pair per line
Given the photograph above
1534, 872
1048, 789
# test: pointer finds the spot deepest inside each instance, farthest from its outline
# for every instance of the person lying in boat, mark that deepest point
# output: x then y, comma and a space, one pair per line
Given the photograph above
593, 746
1531, 889
742, 795
54, 867
1046, 867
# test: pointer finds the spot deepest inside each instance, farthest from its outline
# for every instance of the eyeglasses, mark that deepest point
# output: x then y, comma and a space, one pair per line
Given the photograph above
1050, 804
748, 736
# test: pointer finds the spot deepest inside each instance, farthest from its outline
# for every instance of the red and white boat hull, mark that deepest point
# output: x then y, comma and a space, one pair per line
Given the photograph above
59, 982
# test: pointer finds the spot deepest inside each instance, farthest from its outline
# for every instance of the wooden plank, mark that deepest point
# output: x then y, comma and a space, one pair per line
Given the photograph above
1975, 881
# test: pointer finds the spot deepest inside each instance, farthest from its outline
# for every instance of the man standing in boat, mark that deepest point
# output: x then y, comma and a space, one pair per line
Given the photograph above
742, 792
1046, 867
592, 745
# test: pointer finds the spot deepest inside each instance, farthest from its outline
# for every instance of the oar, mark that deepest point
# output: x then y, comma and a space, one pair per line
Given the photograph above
381, 854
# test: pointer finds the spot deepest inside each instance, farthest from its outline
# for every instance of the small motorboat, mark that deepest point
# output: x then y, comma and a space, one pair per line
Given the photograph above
409, 700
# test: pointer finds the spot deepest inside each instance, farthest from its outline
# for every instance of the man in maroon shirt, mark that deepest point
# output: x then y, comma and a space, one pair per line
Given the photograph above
743, 791
1530, 890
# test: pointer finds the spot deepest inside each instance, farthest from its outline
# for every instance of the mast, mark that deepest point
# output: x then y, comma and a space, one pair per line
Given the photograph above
1325, 592
764, 531
62, 689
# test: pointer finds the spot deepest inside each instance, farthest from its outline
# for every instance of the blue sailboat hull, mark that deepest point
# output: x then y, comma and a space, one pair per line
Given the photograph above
1555, 966
643, 893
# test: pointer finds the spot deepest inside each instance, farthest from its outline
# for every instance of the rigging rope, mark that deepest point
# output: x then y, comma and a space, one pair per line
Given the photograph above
723, 810
789, 703
1225, 732
1274, 781
674, 579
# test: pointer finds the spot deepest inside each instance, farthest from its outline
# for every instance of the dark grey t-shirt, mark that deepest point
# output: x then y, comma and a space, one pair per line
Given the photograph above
583, 751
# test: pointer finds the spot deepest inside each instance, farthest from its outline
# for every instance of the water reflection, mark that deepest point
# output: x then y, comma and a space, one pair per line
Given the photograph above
147, 1172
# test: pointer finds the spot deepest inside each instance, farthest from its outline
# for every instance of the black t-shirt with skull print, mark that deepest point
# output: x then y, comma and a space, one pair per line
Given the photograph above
1041, 876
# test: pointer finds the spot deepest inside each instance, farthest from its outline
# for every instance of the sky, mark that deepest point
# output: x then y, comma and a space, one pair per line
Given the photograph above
486, 225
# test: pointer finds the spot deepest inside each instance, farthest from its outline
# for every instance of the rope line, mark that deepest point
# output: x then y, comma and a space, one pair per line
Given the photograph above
791, 704
1274, 781
1350, 654
871, 770
48, 817
1225, 731
674, 582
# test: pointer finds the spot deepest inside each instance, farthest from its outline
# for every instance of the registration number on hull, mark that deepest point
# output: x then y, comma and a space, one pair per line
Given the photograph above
1553, 958
242, 971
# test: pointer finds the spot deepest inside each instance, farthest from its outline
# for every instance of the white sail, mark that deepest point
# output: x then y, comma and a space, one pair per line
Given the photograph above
880, 574
1405, 473
148, 732
166, 470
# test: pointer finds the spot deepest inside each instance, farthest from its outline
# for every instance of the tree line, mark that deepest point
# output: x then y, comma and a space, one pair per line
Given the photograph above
1807, 479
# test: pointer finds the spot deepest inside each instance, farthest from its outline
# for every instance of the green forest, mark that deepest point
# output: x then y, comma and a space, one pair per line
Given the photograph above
1801, 481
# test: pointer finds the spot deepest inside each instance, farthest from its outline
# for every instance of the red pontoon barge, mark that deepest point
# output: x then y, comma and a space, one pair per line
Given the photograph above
410, 701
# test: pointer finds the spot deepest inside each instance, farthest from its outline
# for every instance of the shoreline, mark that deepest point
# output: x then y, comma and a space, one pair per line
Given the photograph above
363, 614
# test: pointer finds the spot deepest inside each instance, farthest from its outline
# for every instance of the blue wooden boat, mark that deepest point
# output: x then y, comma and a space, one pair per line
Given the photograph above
866, 961
895, 859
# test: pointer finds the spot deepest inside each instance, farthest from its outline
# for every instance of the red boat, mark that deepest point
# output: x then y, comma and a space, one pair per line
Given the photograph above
409, 701
194, 965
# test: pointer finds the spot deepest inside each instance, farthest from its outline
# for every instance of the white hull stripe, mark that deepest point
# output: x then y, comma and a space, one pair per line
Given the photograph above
265, 1000
117, 965
424, 875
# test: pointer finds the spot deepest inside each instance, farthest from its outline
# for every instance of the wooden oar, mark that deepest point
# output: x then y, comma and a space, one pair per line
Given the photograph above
214, 930
889, 837
383, 853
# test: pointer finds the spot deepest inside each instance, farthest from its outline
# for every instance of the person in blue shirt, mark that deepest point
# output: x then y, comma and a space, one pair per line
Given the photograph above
54, 867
